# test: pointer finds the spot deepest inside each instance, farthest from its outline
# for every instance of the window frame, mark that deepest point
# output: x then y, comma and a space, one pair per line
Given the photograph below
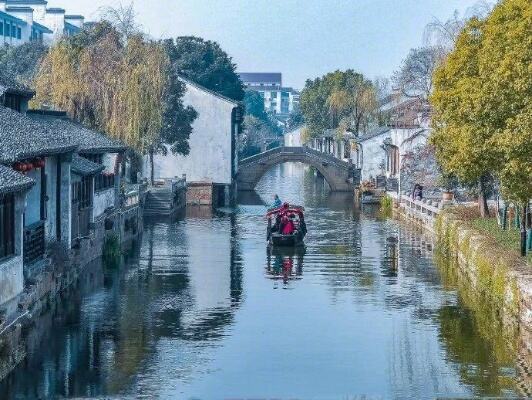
7, 230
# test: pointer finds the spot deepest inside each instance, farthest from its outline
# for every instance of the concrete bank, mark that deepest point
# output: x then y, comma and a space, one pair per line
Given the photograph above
494, 281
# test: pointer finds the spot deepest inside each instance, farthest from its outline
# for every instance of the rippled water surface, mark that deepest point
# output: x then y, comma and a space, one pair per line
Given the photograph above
202, 310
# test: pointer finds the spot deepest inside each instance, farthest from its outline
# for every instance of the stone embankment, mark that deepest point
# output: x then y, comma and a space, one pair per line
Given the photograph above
493, 277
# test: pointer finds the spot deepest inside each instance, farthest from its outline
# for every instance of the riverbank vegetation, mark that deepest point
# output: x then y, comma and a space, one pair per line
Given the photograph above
482, 108
343, 100
260, 132
506, 240
113, 78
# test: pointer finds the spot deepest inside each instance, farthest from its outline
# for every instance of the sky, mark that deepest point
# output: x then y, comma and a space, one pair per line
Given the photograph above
301, 38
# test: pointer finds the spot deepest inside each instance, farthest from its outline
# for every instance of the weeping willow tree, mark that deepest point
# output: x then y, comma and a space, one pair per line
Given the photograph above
108, 83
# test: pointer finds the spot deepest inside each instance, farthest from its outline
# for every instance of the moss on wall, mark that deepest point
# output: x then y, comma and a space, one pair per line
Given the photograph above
484, 274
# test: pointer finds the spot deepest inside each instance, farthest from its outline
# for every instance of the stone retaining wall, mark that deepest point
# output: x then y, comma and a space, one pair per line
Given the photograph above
493, 279
55, 275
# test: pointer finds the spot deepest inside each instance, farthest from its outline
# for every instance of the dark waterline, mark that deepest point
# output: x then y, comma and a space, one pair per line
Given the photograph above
202, 310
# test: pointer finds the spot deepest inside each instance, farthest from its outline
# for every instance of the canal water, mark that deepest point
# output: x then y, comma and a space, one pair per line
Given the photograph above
202, 310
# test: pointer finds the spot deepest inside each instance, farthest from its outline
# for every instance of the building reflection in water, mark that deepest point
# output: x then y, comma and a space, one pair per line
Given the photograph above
167, 319
181, 289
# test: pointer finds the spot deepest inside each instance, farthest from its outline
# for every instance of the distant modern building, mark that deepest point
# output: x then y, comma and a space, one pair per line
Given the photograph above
23, 21
278, 100
262, 80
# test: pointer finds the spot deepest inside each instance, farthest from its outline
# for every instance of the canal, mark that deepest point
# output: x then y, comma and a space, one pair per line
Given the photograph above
201, 310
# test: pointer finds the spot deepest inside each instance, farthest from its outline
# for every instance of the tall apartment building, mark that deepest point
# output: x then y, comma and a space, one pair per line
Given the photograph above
22, 21
278, 99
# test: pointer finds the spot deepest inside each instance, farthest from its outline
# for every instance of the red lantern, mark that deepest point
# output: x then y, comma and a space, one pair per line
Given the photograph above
18, 166
38, 163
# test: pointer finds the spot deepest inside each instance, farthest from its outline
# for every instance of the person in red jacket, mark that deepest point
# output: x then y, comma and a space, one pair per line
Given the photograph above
288, 226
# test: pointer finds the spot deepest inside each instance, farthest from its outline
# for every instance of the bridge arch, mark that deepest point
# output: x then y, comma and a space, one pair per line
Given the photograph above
336, 172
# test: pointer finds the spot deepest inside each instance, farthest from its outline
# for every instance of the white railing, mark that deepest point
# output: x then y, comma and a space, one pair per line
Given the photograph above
425, 210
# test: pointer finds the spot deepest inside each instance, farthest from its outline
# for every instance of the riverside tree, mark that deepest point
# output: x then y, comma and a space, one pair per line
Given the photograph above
505, 67
205, 62
338, 99
21, 63
258, 125
482, 103
414, 78
124, 86
462, 142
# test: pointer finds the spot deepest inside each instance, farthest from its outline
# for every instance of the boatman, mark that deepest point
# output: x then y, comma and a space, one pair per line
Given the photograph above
276, 202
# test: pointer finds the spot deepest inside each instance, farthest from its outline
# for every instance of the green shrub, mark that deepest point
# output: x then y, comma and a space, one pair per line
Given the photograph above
111, 251
386, 206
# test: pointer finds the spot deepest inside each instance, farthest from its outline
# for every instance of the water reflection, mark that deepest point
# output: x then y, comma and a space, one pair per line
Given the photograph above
191, 315
284, 264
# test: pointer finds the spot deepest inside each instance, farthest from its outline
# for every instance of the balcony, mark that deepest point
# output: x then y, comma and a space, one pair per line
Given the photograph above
33, 242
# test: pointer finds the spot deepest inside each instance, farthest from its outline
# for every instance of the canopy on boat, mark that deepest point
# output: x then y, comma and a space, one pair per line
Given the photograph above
284, 210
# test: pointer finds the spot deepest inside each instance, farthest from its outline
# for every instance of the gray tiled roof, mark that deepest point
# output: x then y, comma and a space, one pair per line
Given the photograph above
13, 181
22, 137
10, 85
89, 141
82, 166
374, 132
204, 89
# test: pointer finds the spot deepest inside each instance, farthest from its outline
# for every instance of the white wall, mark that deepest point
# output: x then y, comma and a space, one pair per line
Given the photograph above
33, 199
103, 199
209, 159
55, 21
373, 156
293, 138
26, 16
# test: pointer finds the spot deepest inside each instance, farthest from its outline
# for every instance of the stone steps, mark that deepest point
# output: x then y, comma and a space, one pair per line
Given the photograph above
159, 202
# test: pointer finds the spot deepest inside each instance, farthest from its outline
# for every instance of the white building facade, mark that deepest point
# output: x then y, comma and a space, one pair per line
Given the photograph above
212, 160
23, 21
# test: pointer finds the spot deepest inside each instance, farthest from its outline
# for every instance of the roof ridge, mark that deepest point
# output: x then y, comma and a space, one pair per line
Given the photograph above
198, 86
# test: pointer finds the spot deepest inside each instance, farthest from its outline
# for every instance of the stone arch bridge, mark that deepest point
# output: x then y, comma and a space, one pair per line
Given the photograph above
340, 175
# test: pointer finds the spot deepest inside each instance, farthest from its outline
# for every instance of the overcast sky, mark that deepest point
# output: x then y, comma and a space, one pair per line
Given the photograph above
300, 38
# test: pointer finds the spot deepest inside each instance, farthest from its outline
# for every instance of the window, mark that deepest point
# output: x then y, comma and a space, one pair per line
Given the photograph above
273, 95
13, 101
1, 28
104, 181
7, 30
13, 31
7, 226
82, 192
19, 33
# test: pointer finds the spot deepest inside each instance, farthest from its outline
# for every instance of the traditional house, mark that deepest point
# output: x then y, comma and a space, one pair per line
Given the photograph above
369, 155
96, 181
13, 94
382, 153
211, 165
44, 156
292, 138
334, 143
13, 188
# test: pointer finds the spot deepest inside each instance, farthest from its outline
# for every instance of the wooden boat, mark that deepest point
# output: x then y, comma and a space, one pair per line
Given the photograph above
275, 217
